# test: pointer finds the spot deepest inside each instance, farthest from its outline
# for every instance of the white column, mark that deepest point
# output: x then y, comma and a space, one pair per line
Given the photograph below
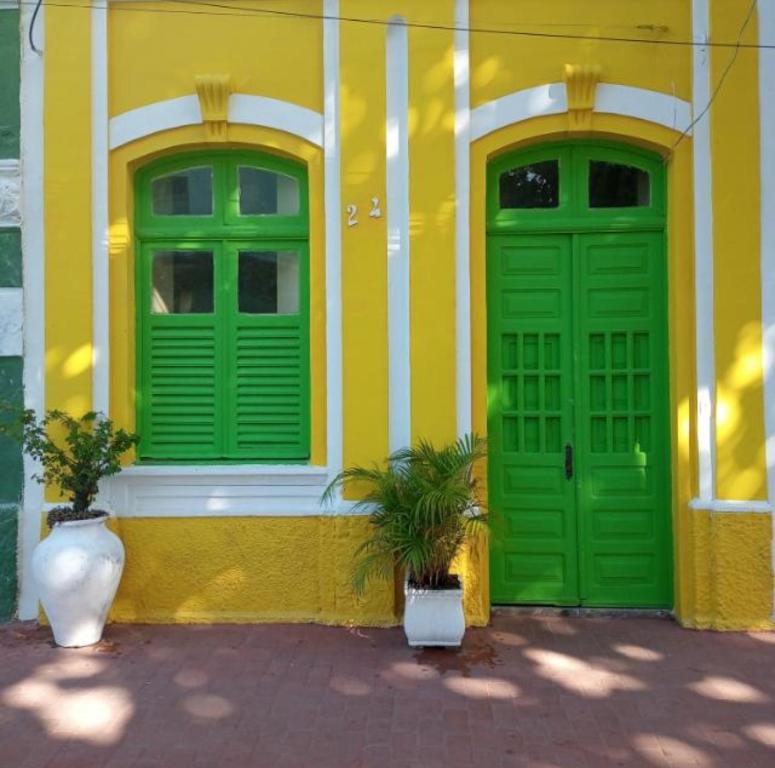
397, 160
703, 258
33, 259
333, 241
462, 219
767, 206
99, 196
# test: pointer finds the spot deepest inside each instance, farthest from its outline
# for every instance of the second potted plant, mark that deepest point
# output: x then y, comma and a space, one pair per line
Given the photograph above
78, 566
422, 506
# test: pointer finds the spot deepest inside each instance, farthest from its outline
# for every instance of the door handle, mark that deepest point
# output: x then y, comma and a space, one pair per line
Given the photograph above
568, 461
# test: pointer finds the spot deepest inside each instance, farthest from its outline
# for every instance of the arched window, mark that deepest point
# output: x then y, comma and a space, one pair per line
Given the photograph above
223, 308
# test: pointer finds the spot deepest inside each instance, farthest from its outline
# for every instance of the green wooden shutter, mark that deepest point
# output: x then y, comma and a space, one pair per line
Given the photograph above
180, 377
269, 380
223, 384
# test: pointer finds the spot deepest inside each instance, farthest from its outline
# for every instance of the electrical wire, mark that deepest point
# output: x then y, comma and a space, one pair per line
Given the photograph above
32, 27
241, 12
721, 79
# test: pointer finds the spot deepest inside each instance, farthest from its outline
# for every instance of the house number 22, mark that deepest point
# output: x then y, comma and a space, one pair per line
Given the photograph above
375, 212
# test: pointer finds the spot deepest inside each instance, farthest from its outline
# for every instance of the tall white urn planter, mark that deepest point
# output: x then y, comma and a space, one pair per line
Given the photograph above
77, 569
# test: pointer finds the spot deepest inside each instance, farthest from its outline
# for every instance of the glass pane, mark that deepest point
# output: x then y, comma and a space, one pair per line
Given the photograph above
266, 192
182, 282
269, 282
612, 185
532, 186
184, 193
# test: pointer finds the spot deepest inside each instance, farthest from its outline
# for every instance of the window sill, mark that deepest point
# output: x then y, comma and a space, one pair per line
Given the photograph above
235, 490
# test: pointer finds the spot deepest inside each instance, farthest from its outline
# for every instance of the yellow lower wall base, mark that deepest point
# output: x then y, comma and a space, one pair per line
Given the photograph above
245, 569
729, 578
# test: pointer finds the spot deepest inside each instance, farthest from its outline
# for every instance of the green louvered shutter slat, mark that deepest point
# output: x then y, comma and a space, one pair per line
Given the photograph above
180, 381
270, 392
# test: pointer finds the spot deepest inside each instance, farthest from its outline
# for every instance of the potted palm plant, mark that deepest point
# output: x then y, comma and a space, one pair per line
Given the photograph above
78, 566
422, 505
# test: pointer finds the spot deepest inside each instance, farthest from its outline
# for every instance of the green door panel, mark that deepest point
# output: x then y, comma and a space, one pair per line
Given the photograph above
577, 355
530, 419
622, 446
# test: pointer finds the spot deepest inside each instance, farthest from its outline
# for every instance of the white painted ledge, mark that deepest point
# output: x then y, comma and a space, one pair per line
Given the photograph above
731, 506
551, 99
11, 322
243, 109
236, 490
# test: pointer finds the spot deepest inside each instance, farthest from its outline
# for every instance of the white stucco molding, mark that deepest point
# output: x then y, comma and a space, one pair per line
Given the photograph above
244, 109
551, 99
10, 194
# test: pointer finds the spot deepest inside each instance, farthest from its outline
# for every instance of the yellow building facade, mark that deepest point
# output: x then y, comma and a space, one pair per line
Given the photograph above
388, 123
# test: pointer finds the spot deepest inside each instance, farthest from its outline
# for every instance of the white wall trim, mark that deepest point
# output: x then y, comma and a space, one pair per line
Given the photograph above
551, 99
99, 194
11, 322
243, 109
703, 258
333, 215
463, 390
9, 5
766, 10
398, 266
732, 506
10, 193
33, 261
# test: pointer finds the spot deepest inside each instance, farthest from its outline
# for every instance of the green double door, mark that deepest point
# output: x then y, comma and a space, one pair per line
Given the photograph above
578, 419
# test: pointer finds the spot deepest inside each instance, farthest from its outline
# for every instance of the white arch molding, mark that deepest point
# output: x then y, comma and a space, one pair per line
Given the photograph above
244, 109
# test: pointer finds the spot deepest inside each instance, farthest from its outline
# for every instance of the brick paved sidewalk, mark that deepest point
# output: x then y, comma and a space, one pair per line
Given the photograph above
539, 691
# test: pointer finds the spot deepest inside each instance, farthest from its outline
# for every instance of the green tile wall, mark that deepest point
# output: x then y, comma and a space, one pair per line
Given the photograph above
10, 258
9, 83
11, 480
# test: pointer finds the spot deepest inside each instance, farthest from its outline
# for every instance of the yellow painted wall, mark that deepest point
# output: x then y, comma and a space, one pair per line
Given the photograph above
233, 569
157, 50
502, 63
67, 206
736, 189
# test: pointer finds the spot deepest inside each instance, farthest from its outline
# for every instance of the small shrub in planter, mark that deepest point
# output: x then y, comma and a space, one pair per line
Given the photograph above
423, 505
77, 568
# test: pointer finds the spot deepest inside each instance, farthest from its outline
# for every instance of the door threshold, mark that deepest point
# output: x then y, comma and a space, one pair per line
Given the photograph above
582, 612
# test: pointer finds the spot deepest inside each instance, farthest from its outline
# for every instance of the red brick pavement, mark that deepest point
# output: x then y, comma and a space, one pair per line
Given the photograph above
538, 691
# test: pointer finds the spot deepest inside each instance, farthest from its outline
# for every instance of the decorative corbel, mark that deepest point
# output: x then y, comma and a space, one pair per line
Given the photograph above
213, 92
581, 83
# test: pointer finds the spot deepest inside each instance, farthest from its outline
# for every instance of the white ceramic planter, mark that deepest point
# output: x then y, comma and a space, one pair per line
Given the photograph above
76, 569
433, 616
